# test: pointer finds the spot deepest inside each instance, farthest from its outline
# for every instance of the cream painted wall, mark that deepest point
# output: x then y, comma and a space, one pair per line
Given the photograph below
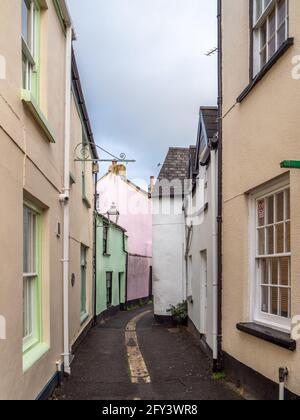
80, 233
30, 165
257, 135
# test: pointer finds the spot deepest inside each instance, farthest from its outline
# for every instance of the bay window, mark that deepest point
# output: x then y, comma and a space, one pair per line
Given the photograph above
273, 258
270, 30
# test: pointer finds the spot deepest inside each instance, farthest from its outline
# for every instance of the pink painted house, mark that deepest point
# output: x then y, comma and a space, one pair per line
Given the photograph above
130, 206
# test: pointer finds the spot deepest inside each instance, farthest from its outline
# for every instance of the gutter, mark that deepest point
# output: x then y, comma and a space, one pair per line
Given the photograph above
218, 363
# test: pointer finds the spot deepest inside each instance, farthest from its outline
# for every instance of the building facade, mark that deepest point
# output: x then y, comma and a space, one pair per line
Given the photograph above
36, 128
112, 261
201, 233
133, 206
261, 218
169, 276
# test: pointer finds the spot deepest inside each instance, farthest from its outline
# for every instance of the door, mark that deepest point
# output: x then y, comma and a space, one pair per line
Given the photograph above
203, 292
121, 289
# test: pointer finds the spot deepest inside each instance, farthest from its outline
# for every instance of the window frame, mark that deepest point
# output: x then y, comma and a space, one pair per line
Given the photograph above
106, 229
83, 282
30, 53
255, 311
109, 295
256, 24
35, 338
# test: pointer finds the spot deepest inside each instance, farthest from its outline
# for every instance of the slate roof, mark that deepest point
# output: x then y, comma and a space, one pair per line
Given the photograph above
176, 165
210, 116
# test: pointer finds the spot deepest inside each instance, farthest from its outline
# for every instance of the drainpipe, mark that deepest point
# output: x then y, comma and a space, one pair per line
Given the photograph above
65, 199
213, 166
283, 375
220, 188
95, 170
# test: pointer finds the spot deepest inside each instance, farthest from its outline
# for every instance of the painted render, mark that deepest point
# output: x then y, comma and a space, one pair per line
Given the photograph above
32, 168
200, 272
114, 262
258, 134
135, 217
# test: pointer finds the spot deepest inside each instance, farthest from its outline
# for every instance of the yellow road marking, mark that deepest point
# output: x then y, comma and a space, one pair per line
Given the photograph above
138, 369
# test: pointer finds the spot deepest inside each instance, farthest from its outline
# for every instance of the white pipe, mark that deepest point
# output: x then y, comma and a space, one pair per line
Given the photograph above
66, 194
214, 251
281, 391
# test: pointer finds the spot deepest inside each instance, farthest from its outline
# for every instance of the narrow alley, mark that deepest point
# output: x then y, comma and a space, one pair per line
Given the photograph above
162, 364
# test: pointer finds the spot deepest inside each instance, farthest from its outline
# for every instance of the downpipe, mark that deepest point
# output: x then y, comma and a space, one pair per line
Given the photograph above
64, 197
283, 376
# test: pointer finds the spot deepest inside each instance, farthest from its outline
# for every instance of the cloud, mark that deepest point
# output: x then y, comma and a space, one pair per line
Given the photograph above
145, 74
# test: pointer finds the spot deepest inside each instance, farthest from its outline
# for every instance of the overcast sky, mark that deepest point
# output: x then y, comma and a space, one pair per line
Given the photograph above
144, 73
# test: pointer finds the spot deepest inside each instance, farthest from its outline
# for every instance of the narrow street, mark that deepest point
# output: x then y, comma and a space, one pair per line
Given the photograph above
131, 358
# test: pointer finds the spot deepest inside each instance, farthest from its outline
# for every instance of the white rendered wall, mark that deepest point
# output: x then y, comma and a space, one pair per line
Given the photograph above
168, 260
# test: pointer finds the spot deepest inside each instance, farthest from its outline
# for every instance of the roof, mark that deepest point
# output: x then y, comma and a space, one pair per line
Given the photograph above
176, 165
208, 127
210, 117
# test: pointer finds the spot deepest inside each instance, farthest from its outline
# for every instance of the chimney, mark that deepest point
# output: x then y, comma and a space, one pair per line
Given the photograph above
152, 183
117, 169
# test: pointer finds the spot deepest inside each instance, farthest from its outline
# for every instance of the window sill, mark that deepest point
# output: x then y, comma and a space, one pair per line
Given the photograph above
105, 254
86, 202
268, 334
35, 110
34, 355
83, 318
279, 53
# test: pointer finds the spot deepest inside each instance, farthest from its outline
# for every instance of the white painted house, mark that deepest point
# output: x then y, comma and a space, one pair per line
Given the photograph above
169, 279
201, 234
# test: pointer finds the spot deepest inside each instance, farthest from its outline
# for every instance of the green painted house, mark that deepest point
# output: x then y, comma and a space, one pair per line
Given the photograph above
111, 265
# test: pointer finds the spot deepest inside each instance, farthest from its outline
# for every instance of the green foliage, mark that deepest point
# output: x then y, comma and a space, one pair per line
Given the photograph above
219, 376
179, 312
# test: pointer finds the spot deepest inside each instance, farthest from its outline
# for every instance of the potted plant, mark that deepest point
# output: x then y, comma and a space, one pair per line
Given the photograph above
179, 313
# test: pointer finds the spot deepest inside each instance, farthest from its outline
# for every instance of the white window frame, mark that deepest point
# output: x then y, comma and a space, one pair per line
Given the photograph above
255, 313
257, 25
29, 49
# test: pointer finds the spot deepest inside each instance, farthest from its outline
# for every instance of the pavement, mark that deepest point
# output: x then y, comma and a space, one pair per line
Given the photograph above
154, 363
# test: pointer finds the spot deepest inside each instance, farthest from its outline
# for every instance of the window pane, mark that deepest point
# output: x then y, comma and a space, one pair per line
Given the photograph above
270, 204
264, 270
281, 11
270, 240
261, 212
272, 47
284, 303
25, 240
263, 57
28, 306
265, 299
280, 238
287, 205
280, 207
284, 271
281, 35
263, 35
274, 301
274, 271
25, 21
261, 241
288, 236
272, 25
